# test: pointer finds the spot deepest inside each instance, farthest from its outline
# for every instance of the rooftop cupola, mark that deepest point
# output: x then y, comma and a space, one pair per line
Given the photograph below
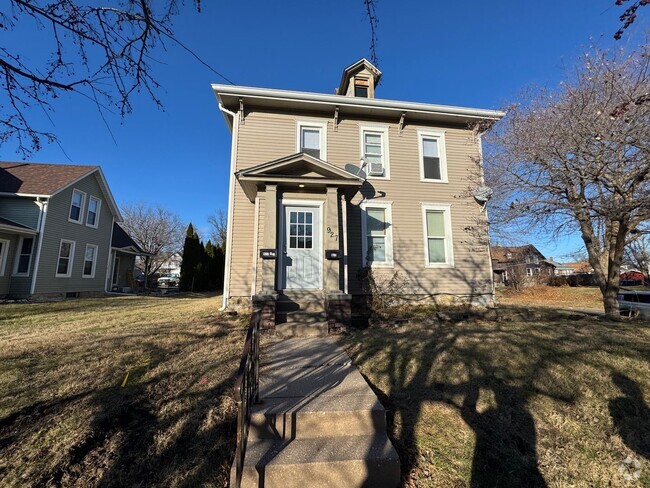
359, 80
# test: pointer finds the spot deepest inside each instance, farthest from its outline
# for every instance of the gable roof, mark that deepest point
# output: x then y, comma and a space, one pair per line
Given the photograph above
354, 67
123, 241
301, 170
46, 180
39, 179
500, 253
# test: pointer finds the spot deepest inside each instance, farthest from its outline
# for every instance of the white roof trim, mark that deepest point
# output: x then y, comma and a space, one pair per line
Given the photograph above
364, 103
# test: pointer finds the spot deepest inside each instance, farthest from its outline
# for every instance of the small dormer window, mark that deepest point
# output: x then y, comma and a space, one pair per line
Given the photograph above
361, 87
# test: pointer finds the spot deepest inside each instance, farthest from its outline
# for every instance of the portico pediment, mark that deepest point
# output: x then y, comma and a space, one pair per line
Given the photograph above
297, 170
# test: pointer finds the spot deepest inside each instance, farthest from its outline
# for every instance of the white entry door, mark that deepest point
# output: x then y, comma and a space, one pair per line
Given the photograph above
301, 258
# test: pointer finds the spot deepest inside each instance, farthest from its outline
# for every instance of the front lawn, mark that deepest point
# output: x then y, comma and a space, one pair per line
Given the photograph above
585, 297
70, 416
535, 399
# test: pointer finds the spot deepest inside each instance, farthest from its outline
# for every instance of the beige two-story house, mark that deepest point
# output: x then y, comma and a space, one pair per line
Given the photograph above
323, 186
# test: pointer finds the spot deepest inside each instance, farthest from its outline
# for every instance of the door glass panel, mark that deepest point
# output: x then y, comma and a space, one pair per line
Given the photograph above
300, 232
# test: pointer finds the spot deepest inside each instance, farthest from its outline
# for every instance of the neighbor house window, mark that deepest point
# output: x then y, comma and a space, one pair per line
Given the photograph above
374, 149
24, 259
529, 271
66, 256
433, 160
536, 259
378, 234
90, 258
312, 139
437, 235
76, 206
4, 251
92, 218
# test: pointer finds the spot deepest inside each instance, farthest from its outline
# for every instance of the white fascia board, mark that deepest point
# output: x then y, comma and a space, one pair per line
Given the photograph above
27, 195
342, 100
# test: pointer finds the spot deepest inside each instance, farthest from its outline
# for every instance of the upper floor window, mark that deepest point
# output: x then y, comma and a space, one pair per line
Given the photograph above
433, 160
312, 138
374, 149
90, 258
437, 235
66, 256
24, 259
361, 87
92, 219
378, 234
76, 206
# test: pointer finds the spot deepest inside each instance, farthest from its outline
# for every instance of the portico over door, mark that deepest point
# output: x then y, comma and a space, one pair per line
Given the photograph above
301, 258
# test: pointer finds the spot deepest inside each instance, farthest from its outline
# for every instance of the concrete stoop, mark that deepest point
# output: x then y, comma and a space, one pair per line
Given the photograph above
318, 424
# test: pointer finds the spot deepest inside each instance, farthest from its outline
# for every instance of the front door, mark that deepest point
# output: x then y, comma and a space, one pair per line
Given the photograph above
301, 256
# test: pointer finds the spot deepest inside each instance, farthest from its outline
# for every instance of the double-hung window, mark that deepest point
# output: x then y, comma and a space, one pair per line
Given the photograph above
76, 206
66, 257
90, 258
312, 138
374, 149
377, 234
433, 159
92, 217
437, 235
24, 258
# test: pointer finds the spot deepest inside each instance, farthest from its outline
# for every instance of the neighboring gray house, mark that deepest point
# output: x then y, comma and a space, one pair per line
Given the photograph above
58, 224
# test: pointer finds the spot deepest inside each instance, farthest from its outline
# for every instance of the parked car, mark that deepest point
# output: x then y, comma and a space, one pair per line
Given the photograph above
168, 280
634, 303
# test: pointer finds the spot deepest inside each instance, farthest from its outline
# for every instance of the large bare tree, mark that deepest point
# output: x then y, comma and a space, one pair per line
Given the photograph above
104, 53
218, 228
158, 231
578, 159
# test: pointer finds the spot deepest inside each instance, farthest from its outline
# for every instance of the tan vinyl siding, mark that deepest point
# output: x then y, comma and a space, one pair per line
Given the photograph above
58, 227
5, 278
260, 240
267, 136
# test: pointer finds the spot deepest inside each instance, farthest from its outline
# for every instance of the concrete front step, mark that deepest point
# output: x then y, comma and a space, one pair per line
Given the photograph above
320, 416
301, 316
298, 329
350, 461
285, 305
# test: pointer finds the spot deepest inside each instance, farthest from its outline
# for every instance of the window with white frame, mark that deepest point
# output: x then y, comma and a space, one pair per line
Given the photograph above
24, 257
76, 206
433, 159
4, 251
377, 234
374, 149
92, 217
66, 257
437, 234
90, 258
529, 271
312, 138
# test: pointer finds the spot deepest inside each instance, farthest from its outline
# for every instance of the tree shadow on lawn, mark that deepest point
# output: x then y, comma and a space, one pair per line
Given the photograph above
489, 373
172, 423
631, 415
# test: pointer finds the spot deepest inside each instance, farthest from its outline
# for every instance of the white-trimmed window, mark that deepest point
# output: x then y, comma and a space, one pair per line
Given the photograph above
312, 138
374, 149
377, 228
90, 259
92, 216
24, 256
4, 251
529, 271
66, 257
77, 206
433, 156
438, 245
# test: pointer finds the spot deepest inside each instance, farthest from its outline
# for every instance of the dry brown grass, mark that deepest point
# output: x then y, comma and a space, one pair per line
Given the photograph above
65, 419
536, 399
586, 297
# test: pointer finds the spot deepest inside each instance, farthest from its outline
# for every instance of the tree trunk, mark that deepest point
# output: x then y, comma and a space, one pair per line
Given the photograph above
146, 272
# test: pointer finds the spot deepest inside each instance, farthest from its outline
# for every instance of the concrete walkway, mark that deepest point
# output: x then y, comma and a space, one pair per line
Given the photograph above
318, 424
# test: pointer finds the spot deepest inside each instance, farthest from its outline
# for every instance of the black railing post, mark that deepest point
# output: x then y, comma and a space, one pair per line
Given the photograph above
247, 387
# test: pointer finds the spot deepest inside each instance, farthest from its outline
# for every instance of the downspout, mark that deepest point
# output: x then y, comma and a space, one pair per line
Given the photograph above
41, 226
231, 201
487, 229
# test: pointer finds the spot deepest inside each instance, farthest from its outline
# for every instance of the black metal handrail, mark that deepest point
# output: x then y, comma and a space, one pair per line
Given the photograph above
247, 390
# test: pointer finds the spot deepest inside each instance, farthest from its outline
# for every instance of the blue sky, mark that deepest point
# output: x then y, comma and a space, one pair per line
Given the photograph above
473, 53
